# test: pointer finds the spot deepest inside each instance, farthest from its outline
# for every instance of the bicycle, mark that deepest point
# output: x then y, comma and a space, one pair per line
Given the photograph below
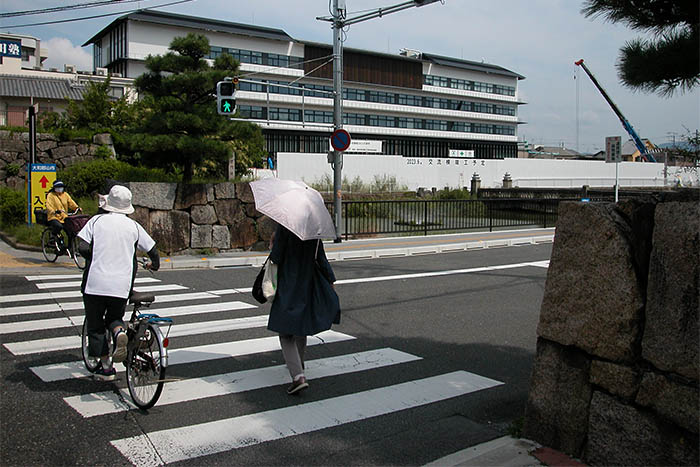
147, 351
53, 245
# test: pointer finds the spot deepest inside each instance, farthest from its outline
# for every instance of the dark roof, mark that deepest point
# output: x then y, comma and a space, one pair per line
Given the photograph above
45, 88
469, 65
172, 19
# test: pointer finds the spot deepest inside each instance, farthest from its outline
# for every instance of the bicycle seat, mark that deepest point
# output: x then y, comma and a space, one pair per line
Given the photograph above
141, 297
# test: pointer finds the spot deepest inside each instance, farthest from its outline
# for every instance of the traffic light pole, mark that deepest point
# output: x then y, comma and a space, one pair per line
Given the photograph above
339, 20
337, 115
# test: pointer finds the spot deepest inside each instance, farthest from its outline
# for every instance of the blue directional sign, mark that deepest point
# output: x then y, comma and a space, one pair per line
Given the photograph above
340, 140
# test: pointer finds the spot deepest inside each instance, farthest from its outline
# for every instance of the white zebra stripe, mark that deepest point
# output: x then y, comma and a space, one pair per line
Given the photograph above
54, 277
65, 285
54, 344
77, 293
76, 369
91, 405
188, 442
65, 306
77, 320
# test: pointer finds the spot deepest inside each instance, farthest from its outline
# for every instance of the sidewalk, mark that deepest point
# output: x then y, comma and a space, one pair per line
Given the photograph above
506, 451
378, 248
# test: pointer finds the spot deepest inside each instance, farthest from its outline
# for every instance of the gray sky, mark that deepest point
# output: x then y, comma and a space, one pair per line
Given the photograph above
540, 39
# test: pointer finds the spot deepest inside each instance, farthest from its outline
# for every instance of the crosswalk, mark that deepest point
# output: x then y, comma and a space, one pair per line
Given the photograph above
47, 322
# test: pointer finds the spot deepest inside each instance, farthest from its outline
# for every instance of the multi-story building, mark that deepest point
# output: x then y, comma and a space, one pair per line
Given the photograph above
24, 81
413, 104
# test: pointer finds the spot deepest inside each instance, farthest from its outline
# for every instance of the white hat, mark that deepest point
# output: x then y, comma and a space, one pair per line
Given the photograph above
119, 200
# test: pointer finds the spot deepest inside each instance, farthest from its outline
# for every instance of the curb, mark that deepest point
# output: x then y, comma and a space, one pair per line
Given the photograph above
18, 246
175, 262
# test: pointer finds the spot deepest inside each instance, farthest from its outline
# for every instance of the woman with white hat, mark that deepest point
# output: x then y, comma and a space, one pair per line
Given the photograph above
109, 244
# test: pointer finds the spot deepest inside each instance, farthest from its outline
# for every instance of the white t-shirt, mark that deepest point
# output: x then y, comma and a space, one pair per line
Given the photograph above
116, 237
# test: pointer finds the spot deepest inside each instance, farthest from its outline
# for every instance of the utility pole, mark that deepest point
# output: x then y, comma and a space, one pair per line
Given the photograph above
339, 13
339, 20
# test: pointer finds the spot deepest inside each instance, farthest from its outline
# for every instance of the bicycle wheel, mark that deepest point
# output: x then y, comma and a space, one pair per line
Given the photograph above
80, 261
144, 371
91, 363
48, 246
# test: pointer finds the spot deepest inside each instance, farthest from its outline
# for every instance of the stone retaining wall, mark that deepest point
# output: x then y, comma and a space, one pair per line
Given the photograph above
615, 380
14, 150
215, 217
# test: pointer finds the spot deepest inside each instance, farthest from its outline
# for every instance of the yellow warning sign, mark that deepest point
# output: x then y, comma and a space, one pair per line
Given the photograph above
41, 181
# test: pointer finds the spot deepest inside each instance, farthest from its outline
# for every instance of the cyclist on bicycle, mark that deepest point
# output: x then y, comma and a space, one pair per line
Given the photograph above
58, 204
109, 243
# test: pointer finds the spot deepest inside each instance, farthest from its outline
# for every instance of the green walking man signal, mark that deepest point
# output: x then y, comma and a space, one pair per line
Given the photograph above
226, 96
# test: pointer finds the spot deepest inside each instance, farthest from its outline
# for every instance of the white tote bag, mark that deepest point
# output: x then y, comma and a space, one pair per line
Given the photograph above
269, 283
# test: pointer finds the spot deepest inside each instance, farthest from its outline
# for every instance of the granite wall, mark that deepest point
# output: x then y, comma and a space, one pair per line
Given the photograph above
615, 380
215, 217
14, 153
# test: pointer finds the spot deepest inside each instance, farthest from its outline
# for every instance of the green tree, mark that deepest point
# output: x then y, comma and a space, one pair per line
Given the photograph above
179, 126
665, 63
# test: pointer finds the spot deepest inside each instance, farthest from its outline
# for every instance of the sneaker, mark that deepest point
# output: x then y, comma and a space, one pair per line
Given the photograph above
105, 375
120, 342
297, 386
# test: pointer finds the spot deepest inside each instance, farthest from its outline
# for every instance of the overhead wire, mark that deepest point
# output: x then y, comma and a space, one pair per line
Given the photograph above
56, 9
10, 26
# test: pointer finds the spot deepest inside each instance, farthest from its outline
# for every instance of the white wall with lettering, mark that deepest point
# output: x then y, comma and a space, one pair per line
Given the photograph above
454, 172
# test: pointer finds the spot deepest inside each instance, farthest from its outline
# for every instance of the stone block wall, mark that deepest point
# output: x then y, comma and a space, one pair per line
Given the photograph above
185, 218
615, 379
14, 150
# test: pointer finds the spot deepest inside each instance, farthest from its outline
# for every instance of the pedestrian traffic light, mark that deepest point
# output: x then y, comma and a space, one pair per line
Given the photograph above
226, 97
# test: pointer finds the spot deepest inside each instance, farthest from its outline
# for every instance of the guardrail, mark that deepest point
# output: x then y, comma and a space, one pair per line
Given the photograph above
368, 218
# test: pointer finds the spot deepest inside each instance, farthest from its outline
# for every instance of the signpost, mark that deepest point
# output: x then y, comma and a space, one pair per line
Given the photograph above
41, 178
340, 140
613, 154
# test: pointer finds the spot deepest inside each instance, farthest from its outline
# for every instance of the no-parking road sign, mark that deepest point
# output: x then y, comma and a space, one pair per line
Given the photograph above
340, 140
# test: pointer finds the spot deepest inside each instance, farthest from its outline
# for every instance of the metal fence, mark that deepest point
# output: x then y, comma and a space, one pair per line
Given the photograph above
415, 217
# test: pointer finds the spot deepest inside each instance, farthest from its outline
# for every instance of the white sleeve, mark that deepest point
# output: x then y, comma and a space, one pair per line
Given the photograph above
86, 232
146, 243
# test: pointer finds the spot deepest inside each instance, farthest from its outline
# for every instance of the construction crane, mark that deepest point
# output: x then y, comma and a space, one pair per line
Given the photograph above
643, 151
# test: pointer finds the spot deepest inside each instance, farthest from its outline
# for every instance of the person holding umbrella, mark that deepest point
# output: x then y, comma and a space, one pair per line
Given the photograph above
305, 301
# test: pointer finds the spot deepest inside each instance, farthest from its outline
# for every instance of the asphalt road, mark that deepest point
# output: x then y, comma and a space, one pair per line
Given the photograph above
440, 356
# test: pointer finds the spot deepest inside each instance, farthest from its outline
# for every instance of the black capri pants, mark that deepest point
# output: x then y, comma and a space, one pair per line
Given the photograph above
102, 312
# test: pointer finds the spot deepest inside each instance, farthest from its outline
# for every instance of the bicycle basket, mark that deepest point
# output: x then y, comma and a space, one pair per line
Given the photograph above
41, 216
73, 224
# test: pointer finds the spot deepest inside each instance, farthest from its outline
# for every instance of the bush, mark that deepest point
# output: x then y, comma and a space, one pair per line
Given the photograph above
13, 206
12, 169
86, 178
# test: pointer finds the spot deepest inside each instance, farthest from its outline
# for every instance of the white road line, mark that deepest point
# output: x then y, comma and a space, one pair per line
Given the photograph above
90, 405
45, 308
54, 344
60, 285
76, 293
203, 439
50, 307
76, 369
54, 276
77, 320
40, 324
541, 264
419, 275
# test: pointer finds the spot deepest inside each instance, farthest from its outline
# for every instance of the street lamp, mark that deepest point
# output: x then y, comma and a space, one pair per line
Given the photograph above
338, 21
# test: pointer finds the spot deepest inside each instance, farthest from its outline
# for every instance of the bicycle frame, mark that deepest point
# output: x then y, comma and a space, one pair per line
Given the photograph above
138, 323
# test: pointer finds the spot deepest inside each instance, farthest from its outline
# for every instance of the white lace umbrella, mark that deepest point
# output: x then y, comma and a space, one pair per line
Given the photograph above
295, 205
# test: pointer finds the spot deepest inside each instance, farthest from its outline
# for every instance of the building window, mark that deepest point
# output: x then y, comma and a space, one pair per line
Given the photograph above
354, 119
286, 115
318, 116
382, 121
477, 86
251, 111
